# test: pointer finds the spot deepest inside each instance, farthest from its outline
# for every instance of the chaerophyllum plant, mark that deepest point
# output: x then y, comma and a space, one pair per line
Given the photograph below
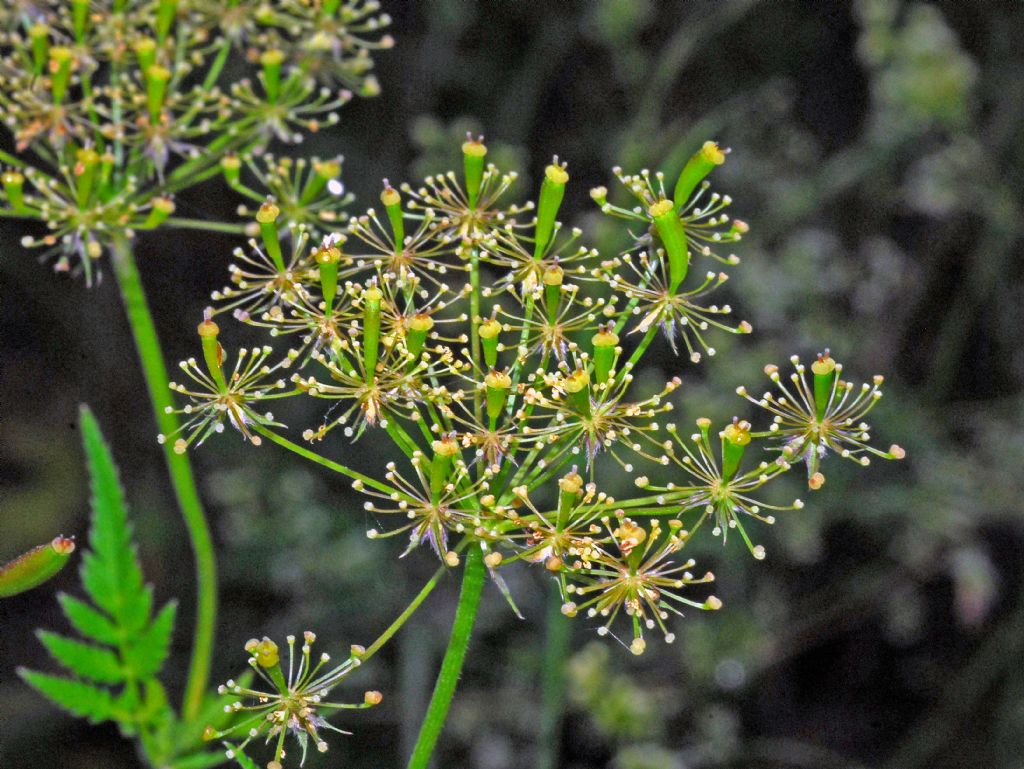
493, 348
114, 107
497, 351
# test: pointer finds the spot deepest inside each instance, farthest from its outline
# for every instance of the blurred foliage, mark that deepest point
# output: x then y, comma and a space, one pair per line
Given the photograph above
877, 155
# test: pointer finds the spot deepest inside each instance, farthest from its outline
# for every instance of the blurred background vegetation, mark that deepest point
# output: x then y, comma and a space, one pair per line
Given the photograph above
878, 151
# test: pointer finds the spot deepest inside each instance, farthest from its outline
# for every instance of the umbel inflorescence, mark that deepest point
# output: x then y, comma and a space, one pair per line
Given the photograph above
116, 105
497, 351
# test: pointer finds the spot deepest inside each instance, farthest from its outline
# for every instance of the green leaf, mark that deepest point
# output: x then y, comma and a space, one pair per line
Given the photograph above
110, 571
88, 621
146, 655
78, 698
84, 660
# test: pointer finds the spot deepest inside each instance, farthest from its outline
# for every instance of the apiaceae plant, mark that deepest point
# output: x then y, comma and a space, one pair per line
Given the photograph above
497, 351
114, 107
494, 347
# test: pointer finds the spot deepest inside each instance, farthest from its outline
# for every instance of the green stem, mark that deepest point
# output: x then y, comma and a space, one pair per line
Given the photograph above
556, 651
451, 667
151, 357
229, 228
314, 457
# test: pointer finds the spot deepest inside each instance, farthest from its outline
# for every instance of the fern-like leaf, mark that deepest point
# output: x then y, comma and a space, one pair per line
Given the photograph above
84, 660
110, 570
146, 655
89, 622
125, 646
81, 699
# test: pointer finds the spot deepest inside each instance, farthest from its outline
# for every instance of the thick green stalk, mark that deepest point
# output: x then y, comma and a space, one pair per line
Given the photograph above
451, 668
182, 479
556, 651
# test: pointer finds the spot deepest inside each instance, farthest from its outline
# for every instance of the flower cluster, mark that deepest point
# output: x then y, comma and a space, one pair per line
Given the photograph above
116, 105
295, 703
497, 351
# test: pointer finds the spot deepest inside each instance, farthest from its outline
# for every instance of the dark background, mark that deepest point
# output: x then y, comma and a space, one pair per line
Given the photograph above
877, 154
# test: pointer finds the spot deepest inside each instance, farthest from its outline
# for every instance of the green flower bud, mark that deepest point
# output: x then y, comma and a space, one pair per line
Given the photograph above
473, 153
160, 209
156, 78
552, 190
440, 468
673, 237
577, 390
735, 438
605, 341
231, 167
327, 259
14, 187
166, 11
419, 326
266, 217
271, 61
145, 52
61, 61
371, 330
824, 371
497, 384
35, 567
697, 167
39, 35
392, 203
489, 331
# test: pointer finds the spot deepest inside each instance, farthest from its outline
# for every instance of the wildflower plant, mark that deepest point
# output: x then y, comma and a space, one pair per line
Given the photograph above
114, 107
497, 351
493, 346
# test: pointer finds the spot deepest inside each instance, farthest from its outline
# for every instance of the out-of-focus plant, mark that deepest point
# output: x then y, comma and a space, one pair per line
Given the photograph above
114, 106
497, 352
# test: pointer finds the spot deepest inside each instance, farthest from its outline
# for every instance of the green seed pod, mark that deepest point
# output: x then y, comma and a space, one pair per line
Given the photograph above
605, 341
498, 384
39, 34
577, 390
327, 259
166, 11
569, 489
266, 217
735, 438
440, 468
392, 203
271, 61
213, 353
79, 18
330, 7
268, 657
156, 78
35, 567
552, 279
14, 188
231, 167
473, 153
61, 59
371, 330
489, 331
697, 167
824, 370
159, 210
552, 190
673, 236
323, 172
87, 165
419, 326
145, 52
